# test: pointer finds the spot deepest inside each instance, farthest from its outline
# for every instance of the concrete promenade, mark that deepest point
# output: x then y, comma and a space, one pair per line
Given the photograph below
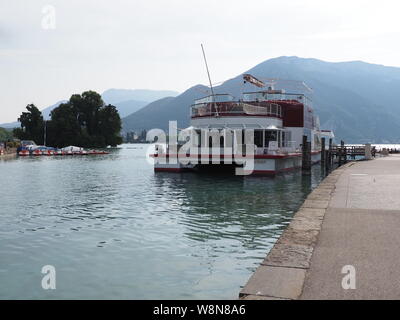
352, 218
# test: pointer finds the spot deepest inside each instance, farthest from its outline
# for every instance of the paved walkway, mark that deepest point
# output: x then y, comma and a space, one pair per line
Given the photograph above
361, 227
352, 218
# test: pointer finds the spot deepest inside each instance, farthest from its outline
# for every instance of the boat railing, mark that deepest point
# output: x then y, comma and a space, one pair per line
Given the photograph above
290, 147
263, 108
262, 95
237, 149
278, 151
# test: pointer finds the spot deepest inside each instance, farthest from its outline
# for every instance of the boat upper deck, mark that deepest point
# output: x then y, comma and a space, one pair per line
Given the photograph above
262, 103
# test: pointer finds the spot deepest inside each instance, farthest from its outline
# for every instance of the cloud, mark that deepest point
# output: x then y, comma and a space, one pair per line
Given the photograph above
98, 44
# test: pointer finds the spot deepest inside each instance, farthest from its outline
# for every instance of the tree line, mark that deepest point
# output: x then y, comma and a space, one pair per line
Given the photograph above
5, 135
85, 121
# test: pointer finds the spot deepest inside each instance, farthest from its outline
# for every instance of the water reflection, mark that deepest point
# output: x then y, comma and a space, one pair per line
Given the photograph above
247, 209
115, 229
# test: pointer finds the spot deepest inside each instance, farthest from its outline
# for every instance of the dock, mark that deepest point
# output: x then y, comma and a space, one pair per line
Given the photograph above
342, 243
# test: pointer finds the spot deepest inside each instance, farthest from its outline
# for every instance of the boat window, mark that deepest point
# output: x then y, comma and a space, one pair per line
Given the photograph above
258, 138
270, 135
199, 137
274, 109
279, 138
288, 138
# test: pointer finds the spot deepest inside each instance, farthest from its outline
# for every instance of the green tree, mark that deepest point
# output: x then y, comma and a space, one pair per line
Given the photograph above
87, 107
85, 121
5, 135
32, 125
64, 128
109, 125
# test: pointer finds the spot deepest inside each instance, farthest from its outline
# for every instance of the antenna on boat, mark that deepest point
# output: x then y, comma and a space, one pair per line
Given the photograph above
307, 87
209, 79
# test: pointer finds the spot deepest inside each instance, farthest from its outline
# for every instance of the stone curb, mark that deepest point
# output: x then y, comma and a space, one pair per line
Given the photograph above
282, 274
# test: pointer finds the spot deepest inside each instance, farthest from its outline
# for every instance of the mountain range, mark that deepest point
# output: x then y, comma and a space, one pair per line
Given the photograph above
127, 101
116, 96
357, 100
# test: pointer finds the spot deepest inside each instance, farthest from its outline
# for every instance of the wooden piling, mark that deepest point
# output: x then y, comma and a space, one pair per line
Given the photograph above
323, 153
367, 152
330, 157
306, 156
342, 154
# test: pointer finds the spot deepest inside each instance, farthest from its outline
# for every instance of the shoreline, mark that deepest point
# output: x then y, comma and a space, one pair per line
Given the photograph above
8, 156
281, 275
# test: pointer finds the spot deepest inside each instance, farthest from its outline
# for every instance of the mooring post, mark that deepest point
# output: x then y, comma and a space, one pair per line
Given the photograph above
330, 158
323, 153
367, 152
341, 153
306, 159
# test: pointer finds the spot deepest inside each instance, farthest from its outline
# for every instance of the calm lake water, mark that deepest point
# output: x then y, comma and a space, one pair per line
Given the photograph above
114, 229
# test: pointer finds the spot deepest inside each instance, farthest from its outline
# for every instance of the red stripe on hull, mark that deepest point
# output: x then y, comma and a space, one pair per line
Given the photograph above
254, 172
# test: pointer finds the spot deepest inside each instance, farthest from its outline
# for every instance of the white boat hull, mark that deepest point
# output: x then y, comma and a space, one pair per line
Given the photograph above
263, 164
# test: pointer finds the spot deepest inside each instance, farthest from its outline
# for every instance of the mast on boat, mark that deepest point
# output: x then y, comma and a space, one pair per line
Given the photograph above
209, 79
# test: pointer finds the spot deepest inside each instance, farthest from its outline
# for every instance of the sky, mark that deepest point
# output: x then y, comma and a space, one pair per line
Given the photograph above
50, 50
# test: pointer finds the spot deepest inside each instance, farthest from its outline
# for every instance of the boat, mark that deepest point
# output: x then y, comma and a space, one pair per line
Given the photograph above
29, 148
23, 153
71, 150
49, 152
259, 132
58, 153
329, 136
37, 152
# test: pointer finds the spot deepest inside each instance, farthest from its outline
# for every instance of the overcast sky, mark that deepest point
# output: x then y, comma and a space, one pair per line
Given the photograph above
98, 44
